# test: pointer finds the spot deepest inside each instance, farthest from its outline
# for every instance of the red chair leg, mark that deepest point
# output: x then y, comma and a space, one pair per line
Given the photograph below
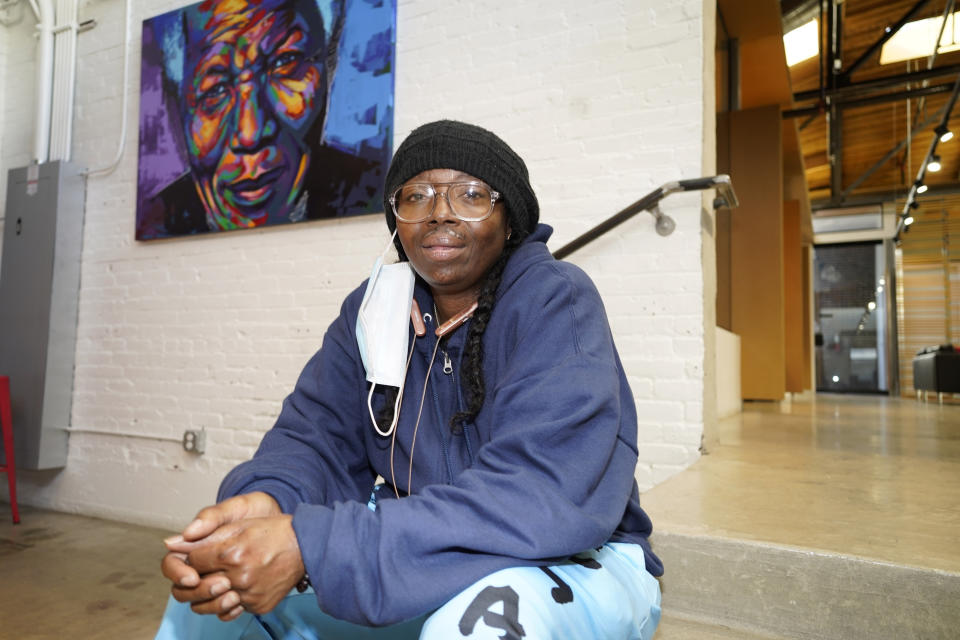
6, 425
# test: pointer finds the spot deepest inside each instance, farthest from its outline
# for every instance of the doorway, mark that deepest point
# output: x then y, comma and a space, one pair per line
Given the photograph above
852, 318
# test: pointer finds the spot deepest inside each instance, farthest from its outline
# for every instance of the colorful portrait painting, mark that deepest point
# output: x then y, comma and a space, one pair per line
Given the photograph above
264, 112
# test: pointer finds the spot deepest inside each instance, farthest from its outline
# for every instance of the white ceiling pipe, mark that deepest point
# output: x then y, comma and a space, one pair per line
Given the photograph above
44, 95
64, 78
72, 70
123, 105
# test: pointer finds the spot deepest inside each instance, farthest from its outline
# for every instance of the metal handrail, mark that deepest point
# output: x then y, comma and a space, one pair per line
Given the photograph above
726, 197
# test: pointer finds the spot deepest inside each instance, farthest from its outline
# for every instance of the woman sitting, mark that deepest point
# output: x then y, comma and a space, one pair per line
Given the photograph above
477, 377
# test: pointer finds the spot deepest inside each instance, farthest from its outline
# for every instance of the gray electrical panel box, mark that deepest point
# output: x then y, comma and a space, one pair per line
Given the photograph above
39, 290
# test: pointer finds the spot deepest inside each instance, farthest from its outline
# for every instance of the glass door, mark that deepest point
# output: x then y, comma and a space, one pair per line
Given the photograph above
851, 314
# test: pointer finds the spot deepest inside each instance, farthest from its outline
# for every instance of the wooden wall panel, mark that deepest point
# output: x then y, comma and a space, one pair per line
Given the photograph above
722, 235
928, 286
793, 296
954, 303
806, 262
922, 319
756, 251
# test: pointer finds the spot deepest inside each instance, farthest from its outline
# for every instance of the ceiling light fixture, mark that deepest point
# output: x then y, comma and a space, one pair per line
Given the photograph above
914, 38
934, 164
802, 43
908, 221
943, 133
922, 188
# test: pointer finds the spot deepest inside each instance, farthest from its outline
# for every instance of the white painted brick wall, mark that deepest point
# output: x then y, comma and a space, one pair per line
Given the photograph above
4, 44
18, 47
604, 100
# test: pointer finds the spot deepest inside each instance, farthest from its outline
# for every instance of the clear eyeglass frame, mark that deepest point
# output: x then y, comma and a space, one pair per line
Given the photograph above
494, 196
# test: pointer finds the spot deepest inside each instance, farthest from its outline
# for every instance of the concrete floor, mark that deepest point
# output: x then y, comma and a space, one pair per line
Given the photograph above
829, 519
868, 476
67, 576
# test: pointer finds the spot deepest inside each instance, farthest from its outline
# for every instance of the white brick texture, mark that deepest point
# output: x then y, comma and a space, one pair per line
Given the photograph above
604, 100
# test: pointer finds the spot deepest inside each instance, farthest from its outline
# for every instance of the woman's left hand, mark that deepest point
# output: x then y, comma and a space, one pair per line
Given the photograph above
260, 556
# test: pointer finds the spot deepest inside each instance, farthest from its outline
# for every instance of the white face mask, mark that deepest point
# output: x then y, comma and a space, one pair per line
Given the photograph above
384, 320
383, 325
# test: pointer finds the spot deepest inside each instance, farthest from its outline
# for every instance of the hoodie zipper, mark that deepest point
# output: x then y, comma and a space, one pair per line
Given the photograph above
440, 421
447, 363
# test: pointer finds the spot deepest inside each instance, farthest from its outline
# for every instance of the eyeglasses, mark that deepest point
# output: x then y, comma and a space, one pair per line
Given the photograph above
469, 201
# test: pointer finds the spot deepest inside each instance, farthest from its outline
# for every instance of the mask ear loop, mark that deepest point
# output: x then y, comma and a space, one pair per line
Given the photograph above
392, 432
416, 427
390, 242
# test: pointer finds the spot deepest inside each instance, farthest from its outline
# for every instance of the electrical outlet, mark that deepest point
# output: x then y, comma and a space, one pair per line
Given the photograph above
194, 441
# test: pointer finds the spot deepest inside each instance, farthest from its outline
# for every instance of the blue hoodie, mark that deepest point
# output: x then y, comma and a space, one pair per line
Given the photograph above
544, 472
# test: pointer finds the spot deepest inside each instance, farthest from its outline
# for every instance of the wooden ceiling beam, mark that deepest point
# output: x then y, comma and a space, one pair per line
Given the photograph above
879, 99
888, 33
890, 154
818, 159
921, 173
835, 115
885, 195
888, 128
879, 83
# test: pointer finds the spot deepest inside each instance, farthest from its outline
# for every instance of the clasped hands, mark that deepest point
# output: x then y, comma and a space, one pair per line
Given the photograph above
238, 555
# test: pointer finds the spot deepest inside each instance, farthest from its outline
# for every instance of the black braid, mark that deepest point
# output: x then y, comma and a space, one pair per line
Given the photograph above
472, 376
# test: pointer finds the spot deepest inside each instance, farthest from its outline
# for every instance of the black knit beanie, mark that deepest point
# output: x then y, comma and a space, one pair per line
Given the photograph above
447, 144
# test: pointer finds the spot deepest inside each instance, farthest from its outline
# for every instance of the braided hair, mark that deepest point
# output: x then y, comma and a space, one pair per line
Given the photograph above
472, 378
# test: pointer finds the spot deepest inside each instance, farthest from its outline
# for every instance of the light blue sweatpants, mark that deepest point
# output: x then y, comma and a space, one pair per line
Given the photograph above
599, 594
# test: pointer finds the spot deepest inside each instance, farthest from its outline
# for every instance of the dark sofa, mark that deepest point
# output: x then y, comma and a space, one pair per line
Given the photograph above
937, 369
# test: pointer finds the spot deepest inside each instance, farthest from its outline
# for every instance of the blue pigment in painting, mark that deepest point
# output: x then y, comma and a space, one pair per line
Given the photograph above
251, 116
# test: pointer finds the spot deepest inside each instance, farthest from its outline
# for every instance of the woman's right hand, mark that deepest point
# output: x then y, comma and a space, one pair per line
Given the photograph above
211, 593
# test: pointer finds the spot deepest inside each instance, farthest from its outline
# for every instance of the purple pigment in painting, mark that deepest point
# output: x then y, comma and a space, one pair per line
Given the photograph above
251, 115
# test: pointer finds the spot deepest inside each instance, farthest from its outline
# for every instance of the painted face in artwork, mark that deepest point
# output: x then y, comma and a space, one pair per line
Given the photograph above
253, 93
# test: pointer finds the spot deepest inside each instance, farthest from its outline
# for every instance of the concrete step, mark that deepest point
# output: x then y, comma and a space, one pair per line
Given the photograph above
788, 592
677, 627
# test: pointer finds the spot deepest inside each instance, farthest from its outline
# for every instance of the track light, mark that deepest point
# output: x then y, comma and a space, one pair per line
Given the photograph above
922, 188
944, 134
934, 164
908, 221
871, 305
